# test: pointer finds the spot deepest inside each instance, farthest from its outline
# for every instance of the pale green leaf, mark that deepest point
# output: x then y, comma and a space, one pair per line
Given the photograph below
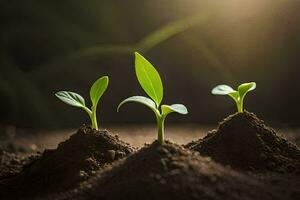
149, 78
71, 98
245, 88
222, 90
235, 96
98, 89
178, 108
139, 99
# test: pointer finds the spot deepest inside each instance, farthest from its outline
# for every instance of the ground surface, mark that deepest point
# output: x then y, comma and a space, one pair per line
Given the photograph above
18, 144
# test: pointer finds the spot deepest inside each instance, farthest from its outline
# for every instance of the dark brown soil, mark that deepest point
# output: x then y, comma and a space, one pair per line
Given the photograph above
168, 172
286, 186
74, 161
244, 142
12, 164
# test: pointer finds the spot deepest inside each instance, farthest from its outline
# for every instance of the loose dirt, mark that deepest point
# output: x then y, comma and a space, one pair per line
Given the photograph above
244, 142
168, 172
94, 165
75, 160
12, 163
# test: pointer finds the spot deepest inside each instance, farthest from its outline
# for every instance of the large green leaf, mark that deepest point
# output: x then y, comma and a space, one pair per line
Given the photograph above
245, 88
98, 89
71, 98
148, 78
222, 90
140, 99
178, 108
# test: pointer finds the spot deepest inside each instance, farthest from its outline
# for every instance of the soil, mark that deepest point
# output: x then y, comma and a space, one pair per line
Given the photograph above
12, 163
244, 142
168, 172
75, 160
94, 165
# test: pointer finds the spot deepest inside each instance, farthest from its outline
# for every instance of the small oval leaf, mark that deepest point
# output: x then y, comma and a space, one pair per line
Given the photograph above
245, 88
98, 89
71, 98
139, 99
222, 90
148, 78
178, 108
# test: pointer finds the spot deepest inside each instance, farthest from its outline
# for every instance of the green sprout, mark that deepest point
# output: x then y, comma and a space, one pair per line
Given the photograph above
238, 96
151, 83
96, 92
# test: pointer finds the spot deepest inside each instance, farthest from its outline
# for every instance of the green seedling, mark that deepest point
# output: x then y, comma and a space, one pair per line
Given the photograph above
151, 83
96, 92
238, 96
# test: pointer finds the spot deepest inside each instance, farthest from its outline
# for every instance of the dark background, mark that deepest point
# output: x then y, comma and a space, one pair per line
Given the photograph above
52, 45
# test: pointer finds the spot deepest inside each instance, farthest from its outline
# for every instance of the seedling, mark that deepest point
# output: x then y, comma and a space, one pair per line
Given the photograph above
238, 96
96, 92
151, 83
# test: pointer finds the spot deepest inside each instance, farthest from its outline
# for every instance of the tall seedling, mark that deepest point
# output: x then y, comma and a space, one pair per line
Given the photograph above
151, 83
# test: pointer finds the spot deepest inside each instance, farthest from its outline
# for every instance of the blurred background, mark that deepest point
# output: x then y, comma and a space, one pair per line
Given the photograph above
52, 45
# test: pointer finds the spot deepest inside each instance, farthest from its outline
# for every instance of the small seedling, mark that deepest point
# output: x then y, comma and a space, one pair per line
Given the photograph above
238, 96
96, 92
151, 83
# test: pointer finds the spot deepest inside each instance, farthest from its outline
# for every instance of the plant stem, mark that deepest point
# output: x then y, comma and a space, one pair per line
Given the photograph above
160, 129
240, 106
94, 118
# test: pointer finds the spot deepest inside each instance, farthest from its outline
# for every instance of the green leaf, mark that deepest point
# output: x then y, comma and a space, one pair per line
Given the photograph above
140, 99
149, 78
235, 96
222, 90
178, 108
71, 98
245, 88
98, 88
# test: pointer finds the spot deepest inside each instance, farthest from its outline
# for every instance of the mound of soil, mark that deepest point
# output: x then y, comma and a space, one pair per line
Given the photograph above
74, 161
167, 172
244, 142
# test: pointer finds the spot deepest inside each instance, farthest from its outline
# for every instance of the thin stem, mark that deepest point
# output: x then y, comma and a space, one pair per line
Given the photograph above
240, 106
94, 118
160, 128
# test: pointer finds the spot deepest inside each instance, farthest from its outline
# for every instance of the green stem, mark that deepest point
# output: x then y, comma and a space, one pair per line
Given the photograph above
94, 118
160, 128
240, 106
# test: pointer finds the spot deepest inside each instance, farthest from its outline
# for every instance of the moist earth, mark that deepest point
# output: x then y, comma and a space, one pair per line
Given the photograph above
75, 160
244, 142
12, 163
94, 165
168, 172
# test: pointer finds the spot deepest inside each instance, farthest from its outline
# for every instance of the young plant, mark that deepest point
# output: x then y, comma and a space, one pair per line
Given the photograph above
96, 92
238, 96
151, 83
